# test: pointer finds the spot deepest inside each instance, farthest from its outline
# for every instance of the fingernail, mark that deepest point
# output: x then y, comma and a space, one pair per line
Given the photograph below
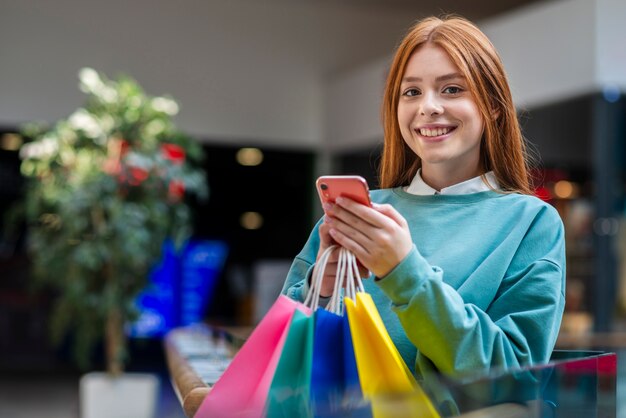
328, 206
340, 200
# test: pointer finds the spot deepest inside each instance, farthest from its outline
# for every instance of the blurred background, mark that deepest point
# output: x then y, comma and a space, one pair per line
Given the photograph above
278, 92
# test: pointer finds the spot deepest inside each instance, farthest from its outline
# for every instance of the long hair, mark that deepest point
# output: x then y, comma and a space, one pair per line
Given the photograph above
503, 149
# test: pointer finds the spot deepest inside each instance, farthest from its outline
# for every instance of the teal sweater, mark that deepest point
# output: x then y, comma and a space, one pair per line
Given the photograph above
483, 286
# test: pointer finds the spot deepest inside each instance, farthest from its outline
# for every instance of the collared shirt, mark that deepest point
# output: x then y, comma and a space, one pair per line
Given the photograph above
473, 185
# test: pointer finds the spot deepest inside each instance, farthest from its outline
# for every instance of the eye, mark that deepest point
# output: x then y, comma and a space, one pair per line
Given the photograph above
412, 92
452, 90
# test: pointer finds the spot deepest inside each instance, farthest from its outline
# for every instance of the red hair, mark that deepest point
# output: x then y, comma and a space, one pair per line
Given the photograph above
503, 149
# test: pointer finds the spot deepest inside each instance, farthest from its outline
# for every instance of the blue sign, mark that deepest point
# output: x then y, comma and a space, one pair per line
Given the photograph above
201, 264
179, 288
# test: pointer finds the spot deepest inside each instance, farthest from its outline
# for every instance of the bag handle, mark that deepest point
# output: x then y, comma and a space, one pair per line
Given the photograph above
312, 298
347, 272
334, 304
355, 282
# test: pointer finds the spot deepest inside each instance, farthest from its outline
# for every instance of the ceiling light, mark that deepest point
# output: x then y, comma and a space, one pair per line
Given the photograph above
249, 156
251, 220
10, 142
564, 189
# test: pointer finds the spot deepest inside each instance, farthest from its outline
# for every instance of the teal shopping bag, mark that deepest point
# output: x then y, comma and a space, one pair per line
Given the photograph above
289, 392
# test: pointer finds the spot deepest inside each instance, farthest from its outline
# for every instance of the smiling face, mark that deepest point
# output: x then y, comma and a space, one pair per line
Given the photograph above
439, 119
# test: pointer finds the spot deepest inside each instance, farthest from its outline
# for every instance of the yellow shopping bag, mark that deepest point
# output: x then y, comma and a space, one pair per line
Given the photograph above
385, 379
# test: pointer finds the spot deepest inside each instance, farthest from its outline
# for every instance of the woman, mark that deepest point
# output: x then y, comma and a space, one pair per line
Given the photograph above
469, 268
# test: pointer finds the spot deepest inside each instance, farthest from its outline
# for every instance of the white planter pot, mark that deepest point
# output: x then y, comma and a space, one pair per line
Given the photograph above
131, 395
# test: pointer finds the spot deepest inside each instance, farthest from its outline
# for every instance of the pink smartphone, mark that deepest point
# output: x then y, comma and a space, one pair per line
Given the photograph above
352, 187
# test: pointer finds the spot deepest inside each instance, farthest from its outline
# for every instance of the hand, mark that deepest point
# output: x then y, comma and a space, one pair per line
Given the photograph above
379, 237
328, 281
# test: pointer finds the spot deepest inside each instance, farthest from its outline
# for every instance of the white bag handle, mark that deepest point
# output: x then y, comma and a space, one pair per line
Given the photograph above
313, 296
347, 272
334, 304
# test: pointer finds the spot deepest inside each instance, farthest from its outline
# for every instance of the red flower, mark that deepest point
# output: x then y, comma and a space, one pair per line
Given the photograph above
174, 153
137, 176
176, 190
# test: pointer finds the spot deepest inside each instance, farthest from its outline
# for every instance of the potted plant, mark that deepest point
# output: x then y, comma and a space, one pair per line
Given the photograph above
106, 188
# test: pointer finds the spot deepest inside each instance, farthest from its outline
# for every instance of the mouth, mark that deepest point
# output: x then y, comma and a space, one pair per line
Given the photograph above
435, 132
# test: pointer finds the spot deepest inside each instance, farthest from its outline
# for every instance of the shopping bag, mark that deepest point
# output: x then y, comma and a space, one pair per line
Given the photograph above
335, 388
334, 378
350, 371
289, 392
385, 379
243, 388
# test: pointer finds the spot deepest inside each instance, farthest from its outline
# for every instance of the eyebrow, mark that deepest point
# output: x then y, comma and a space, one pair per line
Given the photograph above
446, 77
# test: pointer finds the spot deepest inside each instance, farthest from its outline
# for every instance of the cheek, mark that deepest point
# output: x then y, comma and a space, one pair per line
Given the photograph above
479, 128
474, 120
404, 120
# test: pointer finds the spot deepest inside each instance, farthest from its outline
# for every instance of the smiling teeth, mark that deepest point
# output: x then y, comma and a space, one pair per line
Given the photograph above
434, 132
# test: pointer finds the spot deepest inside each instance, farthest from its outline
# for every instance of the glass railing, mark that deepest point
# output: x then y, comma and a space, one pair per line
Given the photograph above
577, 384
574, 384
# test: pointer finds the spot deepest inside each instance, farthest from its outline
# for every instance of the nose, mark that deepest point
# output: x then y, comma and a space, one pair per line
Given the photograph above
430, 105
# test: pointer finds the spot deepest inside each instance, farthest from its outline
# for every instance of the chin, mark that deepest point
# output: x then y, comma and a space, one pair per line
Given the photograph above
435, 159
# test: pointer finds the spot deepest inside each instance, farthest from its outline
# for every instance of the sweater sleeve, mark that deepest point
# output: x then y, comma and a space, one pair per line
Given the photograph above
296, 284
518, 327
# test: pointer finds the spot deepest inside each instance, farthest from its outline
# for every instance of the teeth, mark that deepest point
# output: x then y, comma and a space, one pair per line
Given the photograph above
434, 132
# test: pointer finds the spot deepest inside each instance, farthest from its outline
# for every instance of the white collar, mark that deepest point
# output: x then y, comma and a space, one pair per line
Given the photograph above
473, 185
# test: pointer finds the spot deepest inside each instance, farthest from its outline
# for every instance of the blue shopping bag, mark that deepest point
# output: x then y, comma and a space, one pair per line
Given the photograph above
335, 387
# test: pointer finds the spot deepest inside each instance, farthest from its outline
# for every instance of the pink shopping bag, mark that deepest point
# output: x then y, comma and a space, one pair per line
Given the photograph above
243, 388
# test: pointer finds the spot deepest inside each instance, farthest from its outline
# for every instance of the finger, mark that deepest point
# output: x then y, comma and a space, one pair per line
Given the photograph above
355, 230
367, 214
391, 212
350, 224
336, 212
348, 243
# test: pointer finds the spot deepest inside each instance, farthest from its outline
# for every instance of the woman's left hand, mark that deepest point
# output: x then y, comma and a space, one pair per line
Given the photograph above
379, 236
